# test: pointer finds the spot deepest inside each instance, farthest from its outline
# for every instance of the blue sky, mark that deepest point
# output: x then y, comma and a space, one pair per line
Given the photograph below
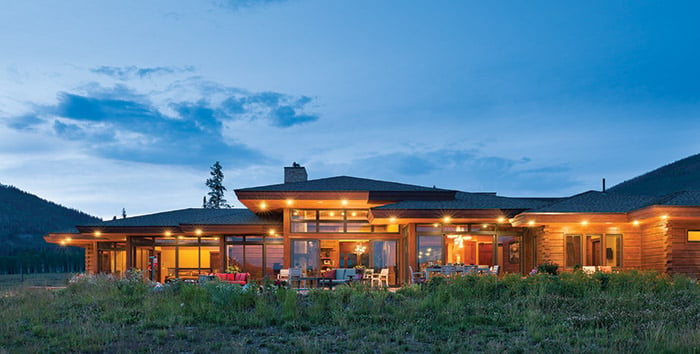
125, 104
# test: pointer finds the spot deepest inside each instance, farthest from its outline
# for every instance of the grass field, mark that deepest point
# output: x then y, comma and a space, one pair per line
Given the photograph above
13, 281
572, 312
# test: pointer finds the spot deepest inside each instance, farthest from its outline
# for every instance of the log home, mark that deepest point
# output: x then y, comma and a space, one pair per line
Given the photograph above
343, 222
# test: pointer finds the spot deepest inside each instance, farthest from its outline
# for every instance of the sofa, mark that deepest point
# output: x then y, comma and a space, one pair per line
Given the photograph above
234, 278
338, 276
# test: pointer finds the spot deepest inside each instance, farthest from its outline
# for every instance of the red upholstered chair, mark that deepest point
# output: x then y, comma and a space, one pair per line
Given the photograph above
221, 276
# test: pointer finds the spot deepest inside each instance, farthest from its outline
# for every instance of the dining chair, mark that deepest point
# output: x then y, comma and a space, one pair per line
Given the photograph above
382, 276
295, 274
416, 277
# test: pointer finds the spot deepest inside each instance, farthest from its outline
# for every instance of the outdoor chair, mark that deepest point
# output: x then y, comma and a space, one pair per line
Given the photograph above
368, 274
605, 269
295, 274
283, 275
495, 269
382, 276
588, 269
416, 277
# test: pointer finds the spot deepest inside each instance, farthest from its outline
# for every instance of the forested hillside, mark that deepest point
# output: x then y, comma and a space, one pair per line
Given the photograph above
24, 220
682, 175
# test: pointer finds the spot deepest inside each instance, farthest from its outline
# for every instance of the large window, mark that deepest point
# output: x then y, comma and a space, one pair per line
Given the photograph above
429, 250
261, 256
593, 250
166, 258
336, 221
305, 255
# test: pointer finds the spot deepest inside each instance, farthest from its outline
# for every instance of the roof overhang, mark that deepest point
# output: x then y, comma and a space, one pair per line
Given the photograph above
539, 219
405, 216
259, 202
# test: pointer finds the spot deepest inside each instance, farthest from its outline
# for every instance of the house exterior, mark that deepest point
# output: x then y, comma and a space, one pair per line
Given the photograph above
342, 222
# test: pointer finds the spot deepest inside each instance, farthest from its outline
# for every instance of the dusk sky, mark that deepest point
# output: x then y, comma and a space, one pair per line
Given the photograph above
107, 105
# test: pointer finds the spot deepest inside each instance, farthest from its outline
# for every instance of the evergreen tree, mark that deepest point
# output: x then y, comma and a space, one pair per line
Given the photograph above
217, 189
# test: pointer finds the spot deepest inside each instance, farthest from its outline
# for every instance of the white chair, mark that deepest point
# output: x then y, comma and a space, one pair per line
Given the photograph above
284, 275
416, 277
495, 269
369, 273
382, 276
295, 274
588, 269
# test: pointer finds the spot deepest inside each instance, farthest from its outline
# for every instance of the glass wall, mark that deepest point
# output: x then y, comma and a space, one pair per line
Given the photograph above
166, 258
111, 257
466, 244
305, 255
336, 221
429, 251
259, 255
593, 250
613, 250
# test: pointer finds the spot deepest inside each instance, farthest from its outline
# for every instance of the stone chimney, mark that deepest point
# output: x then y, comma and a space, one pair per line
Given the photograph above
294, 174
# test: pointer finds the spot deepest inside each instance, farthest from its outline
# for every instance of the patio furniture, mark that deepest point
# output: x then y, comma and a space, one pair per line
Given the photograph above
495, 269
588, 269
234, 278
430, 270
416, 277
470, 270
605, 269
295, 274
337, 276
382, 276
448, 270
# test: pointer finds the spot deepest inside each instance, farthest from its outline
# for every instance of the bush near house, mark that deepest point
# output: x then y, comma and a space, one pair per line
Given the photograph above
571, 312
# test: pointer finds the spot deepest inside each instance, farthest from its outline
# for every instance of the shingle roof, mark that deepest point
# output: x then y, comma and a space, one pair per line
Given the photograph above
597, 202
341, 184
196, 216
683, 198
465, 200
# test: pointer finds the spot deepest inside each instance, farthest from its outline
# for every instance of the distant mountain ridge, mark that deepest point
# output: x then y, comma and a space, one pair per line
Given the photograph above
682, 175
26, 218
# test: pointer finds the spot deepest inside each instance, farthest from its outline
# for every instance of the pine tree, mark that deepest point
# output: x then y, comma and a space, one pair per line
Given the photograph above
217, 189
